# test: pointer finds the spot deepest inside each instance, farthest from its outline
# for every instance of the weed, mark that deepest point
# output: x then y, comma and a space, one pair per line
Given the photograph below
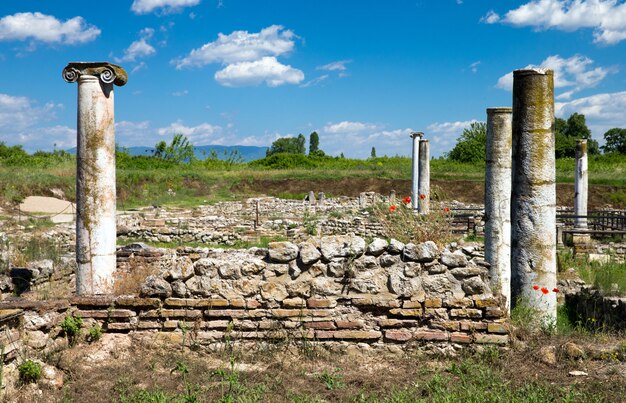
71, 326
30, 371
309, 221
95, 333
332, 380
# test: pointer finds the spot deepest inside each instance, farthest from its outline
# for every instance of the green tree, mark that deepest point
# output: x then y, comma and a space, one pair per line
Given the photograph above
568, 132
373, 152
314, 143
615, 141
470, 147
289, 145
179, 150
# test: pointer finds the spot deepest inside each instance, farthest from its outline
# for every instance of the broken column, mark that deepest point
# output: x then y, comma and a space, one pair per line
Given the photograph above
321, 197
580, 185
533, 197
416, 136
498, 200
95, 174
424, 177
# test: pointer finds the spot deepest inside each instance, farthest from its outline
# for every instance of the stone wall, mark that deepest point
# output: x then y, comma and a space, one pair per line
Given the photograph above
595, 311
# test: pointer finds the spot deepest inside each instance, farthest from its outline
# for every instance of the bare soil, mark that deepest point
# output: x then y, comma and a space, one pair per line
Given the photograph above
464, 191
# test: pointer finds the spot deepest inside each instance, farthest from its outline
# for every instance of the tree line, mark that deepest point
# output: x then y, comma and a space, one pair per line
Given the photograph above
470, 146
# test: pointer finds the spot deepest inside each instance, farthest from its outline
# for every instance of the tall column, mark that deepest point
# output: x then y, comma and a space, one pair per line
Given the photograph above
533, 197
95, 174
498, 200
580, 185
416, 136
424, 177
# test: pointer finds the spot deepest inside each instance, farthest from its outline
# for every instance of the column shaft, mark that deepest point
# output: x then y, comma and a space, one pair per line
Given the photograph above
498, 200
95, 187
424, 177
581, 185
415, 170
533, 198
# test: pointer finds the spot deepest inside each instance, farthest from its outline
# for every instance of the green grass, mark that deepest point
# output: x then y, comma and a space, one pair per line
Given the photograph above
609, 278
262, 242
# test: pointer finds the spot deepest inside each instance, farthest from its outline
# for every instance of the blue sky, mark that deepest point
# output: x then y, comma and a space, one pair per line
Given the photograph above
361, 73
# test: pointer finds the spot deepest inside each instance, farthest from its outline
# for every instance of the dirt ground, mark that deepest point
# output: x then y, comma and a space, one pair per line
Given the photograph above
463, 190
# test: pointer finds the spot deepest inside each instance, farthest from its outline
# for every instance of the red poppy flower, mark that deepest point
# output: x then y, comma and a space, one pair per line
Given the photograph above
446, 210
556, 290
535, 287
544, 290
392, 208
422, 197
407, 200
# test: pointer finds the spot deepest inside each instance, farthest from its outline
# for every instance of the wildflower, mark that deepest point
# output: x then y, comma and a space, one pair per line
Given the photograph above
535, 287
407, 200
446, 210
556, 290
422, 196
544, 290
392, 208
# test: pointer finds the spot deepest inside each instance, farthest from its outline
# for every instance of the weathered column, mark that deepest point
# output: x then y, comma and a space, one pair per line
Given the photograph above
424, 177
416, 136
533, 197
392, 197
580, 185
95, 174
321, 197
311, 198
498, 200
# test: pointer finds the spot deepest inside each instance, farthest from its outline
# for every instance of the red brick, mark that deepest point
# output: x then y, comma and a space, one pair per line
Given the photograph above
181, 313
294, 313
398, 335
321, 303
472, 326
358, 334
349, 324
431, 335
452, 326
324, 334
235, 313
320, 325
461, 338
385, 322
103, 301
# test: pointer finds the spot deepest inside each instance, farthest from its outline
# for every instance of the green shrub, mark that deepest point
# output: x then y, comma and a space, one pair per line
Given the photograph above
95, 333
30, 371
71, 326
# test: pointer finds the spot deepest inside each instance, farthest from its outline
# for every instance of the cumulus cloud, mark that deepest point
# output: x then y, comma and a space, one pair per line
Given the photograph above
240, 46
348, 127
607, 108
443, 135
39, 27
139, 48
575, 73
606, 17
165, 6
21, 123
201, 134
267, 69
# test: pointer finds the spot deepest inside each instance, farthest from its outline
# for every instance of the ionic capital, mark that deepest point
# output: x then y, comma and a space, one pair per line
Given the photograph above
106, 72
414, 135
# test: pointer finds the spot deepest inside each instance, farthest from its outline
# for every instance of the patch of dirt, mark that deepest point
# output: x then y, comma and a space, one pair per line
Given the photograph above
464, 191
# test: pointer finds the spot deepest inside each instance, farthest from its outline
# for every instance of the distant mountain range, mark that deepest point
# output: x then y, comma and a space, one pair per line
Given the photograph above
248, 153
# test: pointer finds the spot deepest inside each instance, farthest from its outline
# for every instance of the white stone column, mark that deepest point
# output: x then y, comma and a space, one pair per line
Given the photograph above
533, 197
416, 136
424, 177
95, 175
581, 185
498, 200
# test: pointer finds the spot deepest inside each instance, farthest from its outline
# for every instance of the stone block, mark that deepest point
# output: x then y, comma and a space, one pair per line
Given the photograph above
450, 325
482, 338
473, 326
357, 334
136, 302
282, 252
95, 302
106, 313
458, 302
320, 325
436, 313
433, 303
149, 325
296, 313
235, 313
493, 312
499, 328
466, 313
123, 326
294, 303
406, 312
486, 302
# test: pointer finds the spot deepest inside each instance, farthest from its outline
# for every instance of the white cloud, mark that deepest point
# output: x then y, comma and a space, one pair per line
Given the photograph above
315, 81
180, 93
201, 134
348, 127
138, 67
46, 28
443, 135
267, 69
139, 48
474, 66
606, 17
166, 6
339, 65
575, 73
240, 46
